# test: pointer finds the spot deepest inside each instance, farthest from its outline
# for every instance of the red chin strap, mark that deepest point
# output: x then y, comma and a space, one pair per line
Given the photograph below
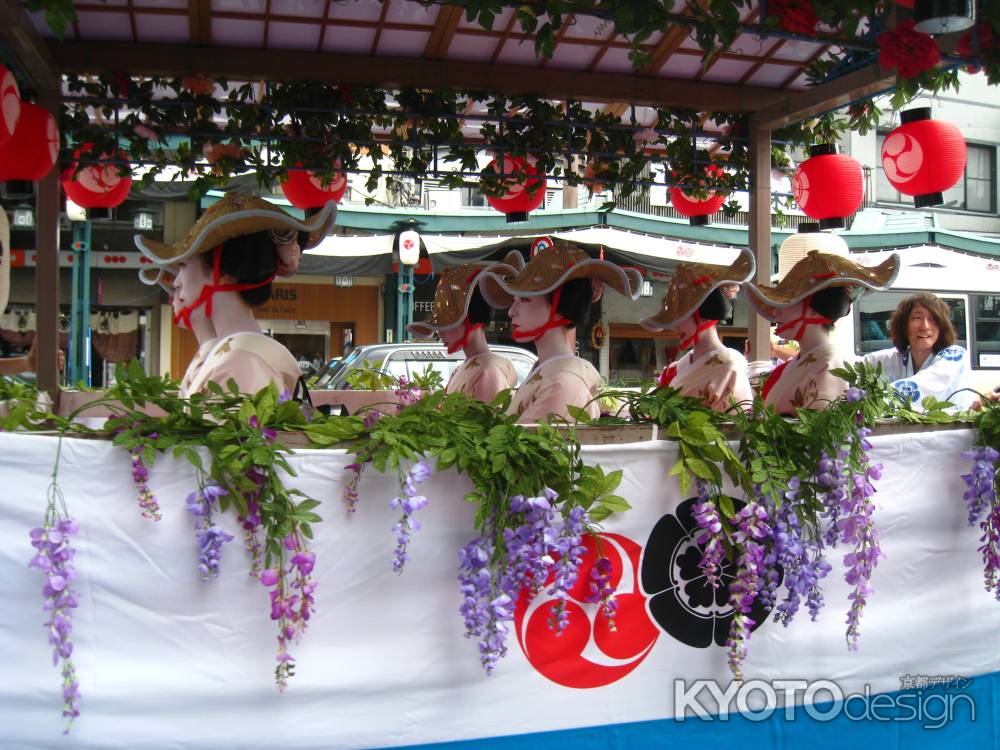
555, 321
803, 321
183, 317
700, 327
460, 344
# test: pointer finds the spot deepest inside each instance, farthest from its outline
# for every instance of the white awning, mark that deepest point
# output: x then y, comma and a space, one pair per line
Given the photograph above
615, 239
342, 246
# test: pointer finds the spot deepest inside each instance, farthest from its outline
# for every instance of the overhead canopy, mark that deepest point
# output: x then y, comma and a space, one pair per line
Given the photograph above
368, 255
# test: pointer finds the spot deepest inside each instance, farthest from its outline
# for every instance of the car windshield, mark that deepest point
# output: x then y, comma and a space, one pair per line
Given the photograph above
404, 361
325, 376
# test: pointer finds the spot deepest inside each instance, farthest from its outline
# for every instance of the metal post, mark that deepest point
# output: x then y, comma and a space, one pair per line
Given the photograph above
73, 366
404, 301
84, 347
79, 327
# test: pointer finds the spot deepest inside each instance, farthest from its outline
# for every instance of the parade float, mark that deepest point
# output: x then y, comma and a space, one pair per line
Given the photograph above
231, 569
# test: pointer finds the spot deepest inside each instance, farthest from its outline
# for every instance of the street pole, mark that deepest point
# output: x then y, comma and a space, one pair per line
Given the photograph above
79, 327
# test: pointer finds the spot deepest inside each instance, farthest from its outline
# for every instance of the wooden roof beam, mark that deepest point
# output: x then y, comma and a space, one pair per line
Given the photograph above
238, 63
801, 105
444, 31
200, 21
33, 55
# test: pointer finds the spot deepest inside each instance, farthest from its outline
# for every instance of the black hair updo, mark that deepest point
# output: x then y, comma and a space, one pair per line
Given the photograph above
250, 259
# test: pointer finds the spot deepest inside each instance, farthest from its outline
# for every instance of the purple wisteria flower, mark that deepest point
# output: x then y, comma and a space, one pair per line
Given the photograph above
270, 435
751, 538
834, 477
53, 558
351, 496
547, 541
251, 522
602, 591
407, 393
856, 528
486, 611
991, 550
567, 542
854, 395
293, 601
980, 498
706, 515
140, 476
409, 502
981, 492
800, 559
201, 504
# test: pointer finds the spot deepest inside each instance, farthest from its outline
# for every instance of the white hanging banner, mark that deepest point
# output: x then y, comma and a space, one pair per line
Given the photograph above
165, 659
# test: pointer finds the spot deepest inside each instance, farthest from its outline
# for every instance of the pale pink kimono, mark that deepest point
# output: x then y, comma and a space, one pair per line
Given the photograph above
483, 376
558, 382
196, 362
804, 381
720, 370
253, 360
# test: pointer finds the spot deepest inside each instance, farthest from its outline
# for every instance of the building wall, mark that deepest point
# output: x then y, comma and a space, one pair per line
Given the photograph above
975, 110
312, 301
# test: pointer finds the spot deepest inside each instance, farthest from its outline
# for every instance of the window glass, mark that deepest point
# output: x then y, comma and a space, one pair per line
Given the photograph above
986, 347
444, 367
396, 368
873, 312
522, 366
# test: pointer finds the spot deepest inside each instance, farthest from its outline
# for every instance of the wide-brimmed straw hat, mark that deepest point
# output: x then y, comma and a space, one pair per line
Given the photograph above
819, 271
553, 267
234, 216
455, 290
690, 286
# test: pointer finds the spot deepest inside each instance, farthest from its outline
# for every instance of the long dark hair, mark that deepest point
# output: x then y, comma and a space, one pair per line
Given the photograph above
938, 309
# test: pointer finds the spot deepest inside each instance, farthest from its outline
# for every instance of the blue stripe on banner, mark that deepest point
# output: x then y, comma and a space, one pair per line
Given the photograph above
903, 720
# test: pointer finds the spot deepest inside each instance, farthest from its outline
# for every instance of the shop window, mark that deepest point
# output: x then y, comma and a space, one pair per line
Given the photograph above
632, 361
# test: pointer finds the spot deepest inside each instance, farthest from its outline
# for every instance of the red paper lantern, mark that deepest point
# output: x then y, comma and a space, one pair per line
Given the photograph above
98, 185
828, 186
698, 209
304, 189
10, 105
31, 152
923, 157
520, 198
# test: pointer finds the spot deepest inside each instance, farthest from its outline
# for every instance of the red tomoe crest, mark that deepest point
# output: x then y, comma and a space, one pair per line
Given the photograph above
588, 653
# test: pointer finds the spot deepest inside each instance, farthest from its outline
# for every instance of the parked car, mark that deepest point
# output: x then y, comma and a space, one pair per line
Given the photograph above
332, 384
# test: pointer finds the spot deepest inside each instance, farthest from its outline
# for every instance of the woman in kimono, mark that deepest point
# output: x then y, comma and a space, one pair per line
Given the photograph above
548, 299
924, 360
224, 268
816, 291
699, 296
459, 317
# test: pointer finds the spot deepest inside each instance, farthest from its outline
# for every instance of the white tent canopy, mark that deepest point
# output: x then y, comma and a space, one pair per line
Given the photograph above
630, 243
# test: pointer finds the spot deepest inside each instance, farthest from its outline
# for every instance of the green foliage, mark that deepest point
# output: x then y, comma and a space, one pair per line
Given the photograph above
501, 458
59, 14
